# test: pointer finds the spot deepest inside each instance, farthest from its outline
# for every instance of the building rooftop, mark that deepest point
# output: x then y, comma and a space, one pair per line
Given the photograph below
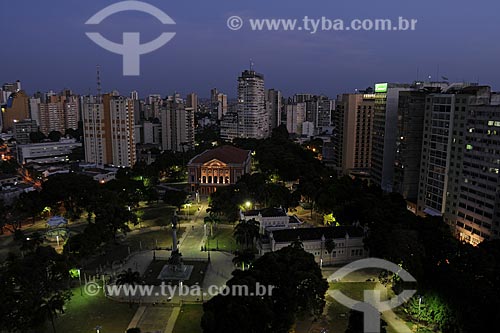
7, 176
266, 212
306, 234
226, 154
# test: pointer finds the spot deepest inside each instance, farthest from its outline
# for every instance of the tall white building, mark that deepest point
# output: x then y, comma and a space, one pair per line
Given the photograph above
109, 131
35, 110
177, 121
122, 131
253, 120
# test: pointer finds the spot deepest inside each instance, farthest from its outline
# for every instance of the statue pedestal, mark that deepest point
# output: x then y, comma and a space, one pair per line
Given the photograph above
178, 272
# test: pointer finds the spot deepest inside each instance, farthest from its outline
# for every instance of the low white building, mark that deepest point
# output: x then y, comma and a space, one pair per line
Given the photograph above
101, 175
47, 152
9, 193
271, 219
347, 240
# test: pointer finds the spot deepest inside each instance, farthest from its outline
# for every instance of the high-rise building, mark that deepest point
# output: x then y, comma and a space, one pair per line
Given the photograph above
151, 133
177, 122
252, 115
443, 147
16, 109
351, 141
295, 117
138, 115
134, 95
384, 133
96, 131
109, 132
122, 130
153, 107
410, 127
229, 126
219, 106
319, 111
274, 106
302, 98
326, 107
51, 115
35, 109
192, 101
58, 113
478, 212
7, 89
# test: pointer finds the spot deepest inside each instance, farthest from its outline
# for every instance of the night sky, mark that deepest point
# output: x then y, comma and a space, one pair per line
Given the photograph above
44, 45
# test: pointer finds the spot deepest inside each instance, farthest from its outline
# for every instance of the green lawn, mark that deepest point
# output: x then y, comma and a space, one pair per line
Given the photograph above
188, 213
222, 239
189, 319
411, 323
83, 314
156, 215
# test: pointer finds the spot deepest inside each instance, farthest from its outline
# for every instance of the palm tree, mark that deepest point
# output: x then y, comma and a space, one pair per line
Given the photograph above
49, 307
330, 245
129, 278
211, 219
244, 257
246, 231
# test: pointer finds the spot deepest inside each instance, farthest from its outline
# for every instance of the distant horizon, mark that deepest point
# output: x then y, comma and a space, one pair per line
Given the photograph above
143, 95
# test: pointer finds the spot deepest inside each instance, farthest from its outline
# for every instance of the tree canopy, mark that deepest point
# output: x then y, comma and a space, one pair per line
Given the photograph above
298, 289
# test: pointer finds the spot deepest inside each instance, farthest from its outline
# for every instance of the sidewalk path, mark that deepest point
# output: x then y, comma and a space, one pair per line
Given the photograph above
172, 320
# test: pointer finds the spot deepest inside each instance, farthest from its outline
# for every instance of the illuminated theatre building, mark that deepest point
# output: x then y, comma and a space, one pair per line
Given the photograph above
217, 167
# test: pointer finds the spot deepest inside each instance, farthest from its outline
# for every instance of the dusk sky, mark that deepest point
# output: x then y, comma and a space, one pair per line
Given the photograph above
45, 46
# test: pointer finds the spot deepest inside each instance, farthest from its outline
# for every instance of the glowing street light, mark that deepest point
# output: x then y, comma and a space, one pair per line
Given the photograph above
248, 204
188, 205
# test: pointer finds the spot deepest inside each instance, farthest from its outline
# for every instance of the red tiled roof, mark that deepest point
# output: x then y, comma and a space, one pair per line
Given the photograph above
225, 154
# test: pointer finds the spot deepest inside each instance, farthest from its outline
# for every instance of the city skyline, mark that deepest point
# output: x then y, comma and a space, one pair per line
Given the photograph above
293, 61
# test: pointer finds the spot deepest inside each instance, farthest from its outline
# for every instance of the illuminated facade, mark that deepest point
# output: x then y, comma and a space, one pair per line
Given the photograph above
218, 167
348, 240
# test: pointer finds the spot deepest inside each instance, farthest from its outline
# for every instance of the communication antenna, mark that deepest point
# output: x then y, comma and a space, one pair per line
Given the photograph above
251, 64
98, 82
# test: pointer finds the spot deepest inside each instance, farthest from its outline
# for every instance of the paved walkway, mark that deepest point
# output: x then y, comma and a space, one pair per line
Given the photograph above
155, 319
172, 320
162, 318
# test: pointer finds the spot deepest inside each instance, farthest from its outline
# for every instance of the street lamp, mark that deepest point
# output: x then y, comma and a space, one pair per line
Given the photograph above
80, 280
248, 204
419, 304
188, 205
